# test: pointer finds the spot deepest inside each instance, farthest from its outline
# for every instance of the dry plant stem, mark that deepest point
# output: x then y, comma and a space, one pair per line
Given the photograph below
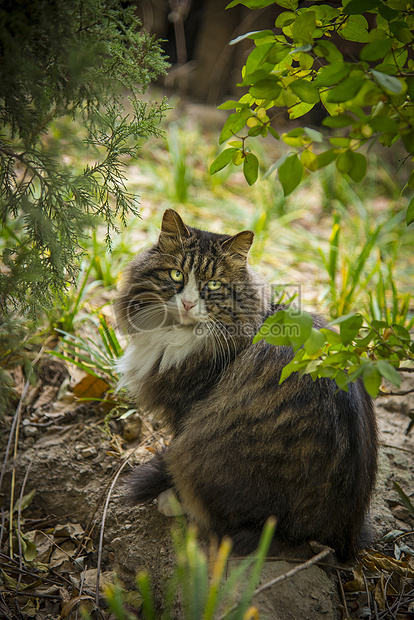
98, 567
11, 435
342, 594
369, 599
3, 518
19, 515
317, 558
15, 430
17, 417
387, 445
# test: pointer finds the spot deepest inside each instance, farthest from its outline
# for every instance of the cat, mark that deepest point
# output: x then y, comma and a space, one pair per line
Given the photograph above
243, 447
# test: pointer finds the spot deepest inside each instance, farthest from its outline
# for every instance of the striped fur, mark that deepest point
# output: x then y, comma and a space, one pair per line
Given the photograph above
244, 447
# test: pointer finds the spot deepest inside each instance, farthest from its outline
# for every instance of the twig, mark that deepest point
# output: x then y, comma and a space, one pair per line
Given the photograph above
342, 594
19, 515
291, 573
15, 430
386, 597
98, 567
369, 598
3, 518
397, 393
388, 445
11, 435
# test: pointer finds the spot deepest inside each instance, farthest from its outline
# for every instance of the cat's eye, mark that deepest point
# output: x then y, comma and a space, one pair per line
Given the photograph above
214, 285
176, 275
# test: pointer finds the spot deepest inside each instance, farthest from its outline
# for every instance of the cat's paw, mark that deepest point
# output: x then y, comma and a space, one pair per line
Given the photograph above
169, 505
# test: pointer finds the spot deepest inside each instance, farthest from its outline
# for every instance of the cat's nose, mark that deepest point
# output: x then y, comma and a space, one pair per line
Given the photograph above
188, 304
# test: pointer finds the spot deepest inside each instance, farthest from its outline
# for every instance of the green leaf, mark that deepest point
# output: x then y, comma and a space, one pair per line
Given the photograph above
300, 109
357, 7
256, 58
301, 48
376, 49
255, 34
315, 342
350, 328
355, 29
290, 174
331, 336
298, 327
346, 90
332, 74
233, 124
25, 501
285, 19
305, 90
251, 168
404, 497
251, 4
277, 53
323, 159
222, 160
383, 123
339, 120
389, 372
408, 140
410, 212
354, 164
328, 50
313, 134
265, 89
372, 379
401, 31
272, 330
389, 82
304, 27
231, 105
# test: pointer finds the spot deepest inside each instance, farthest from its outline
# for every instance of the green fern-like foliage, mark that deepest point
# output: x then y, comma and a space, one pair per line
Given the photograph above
65, 69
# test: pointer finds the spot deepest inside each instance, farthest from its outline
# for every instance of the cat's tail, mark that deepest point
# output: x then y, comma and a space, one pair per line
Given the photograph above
148, 480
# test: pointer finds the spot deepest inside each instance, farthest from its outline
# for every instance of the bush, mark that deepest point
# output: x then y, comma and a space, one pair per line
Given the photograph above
66, 65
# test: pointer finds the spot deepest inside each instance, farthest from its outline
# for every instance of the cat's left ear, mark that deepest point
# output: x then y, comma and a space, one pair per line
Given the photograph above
172, 224
240, 243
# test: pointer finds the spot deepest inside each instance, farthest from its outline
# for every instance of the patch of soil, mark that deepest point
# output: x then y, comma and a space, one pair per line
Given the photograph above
67, 458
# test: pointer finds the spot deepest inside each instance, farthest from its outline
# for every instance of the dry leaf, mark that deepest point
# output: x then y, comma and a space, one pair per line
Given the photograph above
357, 584
66, 610
90, 387
379, 592
378, 561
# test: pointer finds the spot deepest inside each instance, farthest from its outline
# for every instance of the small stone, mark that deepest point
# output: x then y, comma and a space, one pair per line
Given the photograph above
89, 452
401, 513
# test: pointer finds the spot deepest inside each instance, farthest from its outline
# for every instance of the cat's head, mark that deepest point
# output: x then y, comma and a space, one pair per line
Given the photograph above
191, 278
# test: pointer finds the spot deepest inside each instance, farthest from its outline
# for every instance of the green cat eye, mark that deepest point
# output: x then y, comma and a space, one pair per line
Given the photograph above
214, 285
176, 275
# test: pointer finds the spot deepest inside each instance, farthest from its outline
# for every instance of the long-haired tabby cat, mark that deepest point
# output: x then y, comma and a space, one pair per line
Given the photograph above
244, 447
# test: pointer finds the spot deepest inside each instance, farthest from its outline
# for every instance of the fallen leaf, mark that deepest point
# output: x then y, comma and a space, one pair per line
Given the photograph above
378, 561
66, 610
357, 584
379, 592
90, 387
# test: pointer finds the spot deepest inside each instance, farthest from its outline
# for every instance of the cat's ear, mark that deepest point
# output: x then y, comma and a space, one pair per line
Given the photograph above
172, 224
240, 243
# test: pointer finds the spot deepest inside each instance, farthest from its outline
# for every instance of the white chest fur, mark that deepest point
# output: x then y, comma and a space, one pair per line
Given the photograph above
170, 345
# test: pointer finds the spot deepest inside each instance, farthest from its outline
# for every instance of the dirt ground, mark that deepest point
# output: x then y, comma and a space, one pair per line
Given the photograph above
68, 456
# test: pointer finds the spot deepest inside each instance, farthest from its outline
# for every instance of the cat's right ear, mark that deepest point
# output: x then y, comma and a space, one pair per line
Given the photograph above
172, 224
